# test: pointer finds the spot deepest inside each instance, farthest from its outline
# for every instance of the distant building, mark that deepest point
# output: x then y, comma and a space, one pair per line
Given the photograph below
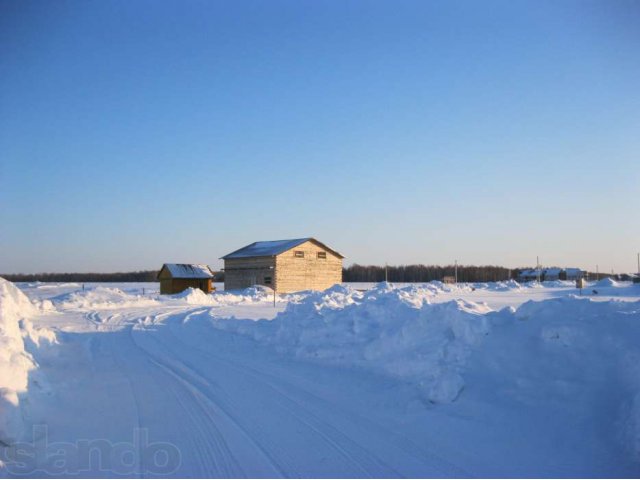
550, 274
176, 277
529, 275
572, 274
284, 265
448, 279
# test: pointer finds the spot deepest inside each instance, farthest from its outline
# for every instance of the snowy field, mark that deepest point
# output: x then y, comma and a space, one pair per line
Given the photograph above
364, 380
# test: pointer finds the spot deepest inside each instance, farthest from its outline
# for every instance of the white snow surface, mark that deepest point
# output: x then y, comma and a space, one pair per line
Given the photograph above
421, 380
15, 360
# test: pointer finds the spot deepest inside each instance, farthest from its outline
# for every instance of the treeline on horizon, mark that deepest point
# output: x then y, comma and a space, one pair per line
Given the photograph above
426, 273
353, 273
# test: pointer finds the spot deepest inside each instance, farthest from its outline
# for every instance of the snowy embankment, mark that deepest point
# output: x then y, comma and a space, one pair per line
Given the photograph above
569, 355
15, 361
100, 298
110, 298
387, 330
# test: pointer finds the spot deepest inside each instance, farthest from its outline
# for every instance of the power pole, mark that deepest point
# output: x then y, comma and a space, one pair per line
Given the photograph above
386, 272
597, 274
538, 268
456, 271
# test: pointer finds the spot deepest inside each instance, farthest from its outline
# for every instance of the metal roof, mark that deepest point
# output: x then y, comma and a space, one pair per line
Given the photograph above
273, 247
188, 270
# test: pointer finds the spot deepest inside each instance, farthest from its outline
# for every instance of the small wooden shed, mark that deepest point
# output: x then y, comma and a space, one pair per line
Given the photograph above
176, 277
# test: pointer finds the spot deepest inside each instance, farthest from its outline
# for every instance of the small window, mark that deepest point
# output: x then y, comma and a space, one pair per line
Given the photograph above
267, 280
322, 254
299, 254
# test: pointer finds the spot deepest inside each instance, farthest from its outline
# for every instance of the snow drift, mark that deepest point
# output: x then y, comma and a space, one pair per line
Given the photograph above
392, 331
564, 356
568, 355
100, 298
15, 361
255, 294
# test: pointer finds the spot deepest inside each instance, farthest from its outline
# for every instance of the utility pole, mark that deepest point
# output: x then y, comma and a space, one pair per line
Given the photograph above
597, 274
538, 268
386, 272
456, 271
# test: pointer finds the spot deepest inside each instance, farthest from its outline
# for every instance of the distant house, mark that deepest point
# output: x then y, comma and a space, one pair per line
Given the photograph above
176, 277
529, 275
284, 265
550, 274
572, 274
448, 279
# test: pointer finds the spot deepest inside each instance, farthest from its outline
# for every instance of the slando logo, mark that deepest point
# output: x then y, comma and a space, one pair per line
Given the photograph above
97, 455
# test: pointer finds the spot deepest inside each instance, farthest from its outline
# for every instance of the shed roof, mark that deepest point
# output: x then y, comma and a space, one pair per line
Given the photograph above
188, 270
273, 247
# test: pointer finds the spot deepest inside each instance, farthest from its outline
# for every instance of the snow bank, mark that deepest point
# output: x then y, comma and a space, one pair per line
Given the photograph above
195, 296
564, 356
15, 362
255, 294
568, 354
608, 282
100, 298
251, 295
53, 285
392, 331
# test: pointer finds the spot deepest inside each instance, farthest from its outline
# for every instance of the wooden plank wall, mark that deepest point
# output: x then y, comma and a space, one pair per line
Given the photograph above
307, 273
245, 272
177, 285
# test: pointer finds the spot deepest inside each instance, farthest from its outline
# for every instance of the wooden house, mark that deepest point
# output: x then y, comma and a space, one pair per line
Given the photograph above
176, 277
284, 265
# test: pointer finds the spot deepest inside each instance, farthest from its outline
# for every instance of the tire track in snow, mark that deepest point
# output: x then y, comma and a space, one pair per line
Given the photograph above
208, 403
284, 388
122, 345
208, 441
395, 438
98, 346
351, 451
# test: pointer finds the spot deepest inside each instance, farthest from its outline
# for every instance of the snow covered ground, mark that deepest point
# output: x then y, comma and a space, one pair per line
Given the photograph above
421, 380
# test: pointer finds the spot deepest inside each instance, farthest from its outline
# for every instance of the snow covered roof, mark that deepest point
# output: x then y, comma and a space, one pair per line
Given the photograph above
188, 270
573, 271
549, 272
272, 247
552, 271
530, 273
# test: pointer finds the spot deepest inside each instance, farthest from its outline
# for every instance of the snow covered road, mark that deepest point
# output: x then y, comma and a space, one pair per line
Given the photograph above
145, 387
231, 408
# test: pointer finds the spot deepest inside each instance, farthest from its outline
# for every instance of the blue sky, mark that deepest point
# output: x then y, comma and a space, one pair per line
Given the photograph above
137, 133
